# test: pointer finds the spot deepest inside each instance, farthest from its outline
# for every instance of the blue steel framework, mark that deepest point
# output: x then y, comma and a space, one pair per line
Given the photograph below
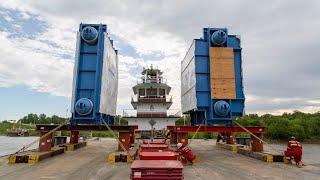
88, 76
205, 104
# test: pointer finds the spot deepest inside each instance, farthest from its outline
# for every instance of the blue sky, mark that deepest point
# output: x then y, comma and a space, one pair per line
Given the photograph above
37, 44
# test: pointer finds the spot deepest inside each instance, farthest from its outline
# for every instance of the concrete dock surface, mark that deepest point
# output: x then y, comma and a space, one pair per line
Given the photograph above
216, 163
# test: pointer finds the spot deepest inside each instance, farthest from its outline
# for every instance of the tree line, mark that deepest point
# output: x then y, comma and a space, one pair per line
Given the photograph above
41, 119
44, 119
304, 126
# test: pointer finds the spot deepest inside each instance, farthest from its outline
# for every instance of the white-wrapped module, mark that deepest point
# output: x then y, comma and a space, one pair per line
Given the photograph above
188, 81
75, 71
109, 83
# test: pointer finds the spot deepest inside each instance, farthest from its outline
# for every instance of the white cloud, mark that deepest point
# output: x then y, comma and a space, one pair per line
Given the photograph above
307, 109
34, 64
314, 102
8, 18
150, 42
274, 105
129, 60
17, 26
24, 15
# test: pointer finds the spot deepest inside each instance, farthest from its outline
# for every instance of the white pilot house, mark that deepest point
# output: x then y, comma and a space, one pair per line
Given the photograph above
151, 101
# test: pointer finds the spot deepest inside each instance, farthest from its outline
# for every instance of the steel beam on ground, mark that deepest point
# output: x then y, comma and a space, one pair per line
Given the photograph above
216, 129
47, 127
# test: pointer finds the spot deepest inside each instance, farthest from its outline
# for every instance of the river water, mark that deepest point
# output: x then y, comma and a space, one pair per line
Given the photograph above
10, 145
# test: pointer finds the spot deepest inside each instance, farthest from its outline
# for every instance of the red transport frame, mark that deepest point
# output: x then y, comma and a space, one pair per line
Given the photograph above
252, 129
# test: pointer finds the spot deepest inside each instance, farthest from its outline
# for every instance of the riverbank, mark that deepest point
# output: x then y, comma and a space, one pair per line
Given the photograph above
32, 132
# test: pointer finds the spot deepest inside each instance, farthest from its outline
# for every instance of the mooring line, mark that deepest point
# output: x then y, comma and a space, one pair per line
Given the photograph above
115, 136
195, 133
258, 138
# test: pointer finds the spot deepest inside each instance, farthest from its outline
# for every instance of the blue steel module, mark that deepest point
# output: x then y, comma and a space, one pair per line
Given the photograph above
211, 78
95, 77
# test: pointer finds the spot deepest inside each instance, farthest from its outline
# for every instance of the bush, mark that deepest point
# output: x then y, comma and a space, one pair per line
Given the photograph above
298, 124
181, 121
296, 131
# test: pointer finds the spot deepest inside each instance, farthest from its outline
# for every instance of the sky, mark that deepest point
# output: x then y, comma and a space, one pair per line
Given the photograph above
280, 52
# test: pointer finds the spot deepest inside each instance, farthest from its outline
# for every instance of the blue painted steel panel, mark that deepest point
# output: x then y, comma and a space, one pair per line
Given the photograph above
202, 65
201, 48
205, 108
88, 75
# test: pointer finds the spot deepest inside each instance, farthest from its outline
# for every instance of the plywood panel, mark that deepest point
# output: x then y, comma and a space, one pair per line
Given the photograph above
222, 68
221, 53
223, 83
223, 89
222, 76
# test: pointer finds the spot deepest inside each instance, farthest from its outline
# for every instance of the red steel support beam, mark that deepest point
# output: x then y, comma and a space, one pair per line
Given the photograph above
132, 133
256, 144
230, 138
124, 138
173, 138
45, 143
74, 137
216, 129
132, 137
182, 137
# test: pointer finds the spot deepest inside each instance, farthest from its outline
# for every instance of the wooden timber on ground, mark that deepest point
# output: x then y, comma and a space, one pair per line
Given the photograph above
121, 156
34, 156
71, 147
231, 147
263, 156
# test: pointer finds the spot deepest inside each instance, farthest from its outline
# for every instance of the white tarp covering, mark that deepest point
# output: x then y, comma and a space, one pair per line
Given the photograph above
75, 70
109, 81
188, 81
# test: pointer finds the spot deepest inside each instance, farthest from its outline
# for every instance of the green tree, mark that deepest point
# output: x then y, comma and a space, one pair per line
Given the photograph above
118, 120
43, 119
296, 131
182, 120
